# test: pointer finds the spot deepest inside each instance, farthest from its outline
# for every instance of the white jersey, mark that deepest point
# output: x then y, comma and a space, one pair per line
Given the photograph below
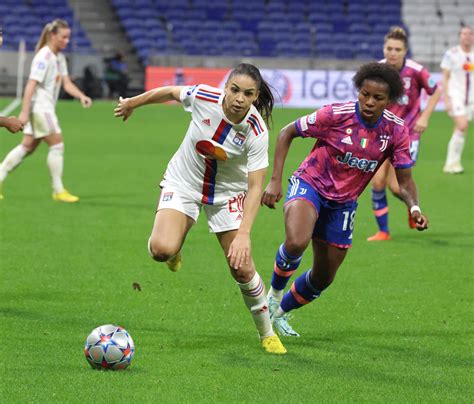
461, 68
214, 159
48, 69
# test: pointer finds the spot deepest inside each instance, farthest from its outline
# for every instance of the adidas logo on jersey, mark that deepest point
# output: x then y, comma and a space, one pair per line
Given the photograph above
347, 140
206, 122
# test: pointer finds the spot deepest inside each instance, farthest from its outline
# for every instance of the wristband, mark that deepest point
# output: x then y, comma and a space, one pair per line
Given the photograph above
415, 208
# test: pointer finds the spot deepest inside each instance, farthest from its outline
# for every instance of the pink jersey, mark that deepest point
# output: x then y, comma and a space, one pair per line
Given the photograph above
348, 151
415, 78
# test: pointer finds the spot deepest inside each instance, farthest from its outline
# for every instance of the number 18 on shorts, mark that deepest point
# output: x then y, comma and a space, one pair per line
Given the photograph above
335, 220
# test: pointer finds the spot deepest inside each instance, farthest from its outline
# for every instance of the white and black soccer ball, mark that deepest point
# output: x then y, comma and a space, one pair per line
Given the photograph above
109, 347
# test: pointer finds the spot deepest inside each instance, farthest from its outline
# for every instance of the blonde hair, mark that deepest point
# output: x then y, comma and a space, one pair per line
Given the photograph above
397, 33
51, 27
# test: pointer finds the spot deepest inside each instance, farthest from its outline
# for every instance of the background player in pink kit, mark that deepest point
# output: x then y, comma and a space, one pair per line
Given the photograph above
353, 141
415, 78
221, 163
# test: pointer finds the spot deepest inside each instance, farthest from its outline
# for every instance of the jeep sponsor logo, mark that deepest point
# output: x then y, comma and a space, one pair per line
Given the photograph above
361, 164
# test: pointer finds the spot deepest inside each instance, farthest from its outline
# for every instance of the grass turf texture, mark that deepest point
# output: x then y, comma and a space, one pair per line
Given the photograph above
395, 326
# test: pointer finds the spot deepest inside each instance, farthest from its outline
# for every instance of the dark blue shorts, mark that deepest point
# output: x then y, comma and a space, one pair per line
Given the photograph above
335, 220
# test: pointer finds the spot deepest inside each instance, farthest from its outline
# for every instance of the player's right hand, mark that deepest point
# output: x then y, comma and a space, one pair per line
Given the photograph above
123, 109
272, 194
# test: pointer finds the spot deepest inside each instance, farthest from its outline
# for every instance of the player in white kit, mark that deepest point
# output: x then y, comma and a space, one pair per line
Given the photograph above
220, 167
48, 73
458, 85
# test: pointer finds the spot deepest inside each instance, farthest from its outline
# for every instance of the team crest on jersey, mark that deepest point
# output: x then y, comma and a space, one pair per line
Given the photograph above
239, 139
384, 139
403, 100
167, 196
349, 131
407, 81
312, 118
40, 66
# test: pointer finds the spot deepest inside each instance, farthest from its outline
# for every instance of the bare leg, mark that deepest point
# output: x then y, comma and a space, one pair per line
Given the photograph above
168, 234
326, 261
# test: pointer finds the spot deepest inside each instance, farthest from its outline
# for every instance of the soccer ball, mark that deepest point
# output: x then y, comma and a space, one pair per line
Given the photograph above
109, 347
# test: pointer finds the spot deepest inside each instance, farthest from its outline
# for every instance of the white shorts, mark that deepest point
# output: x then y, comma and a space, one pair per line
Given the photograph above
223, 217
41, 124
459, 108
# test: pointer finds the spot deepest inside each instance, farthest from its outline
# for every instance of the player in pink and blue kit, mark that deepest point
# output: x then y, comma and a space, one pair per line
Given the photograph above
353, 141
415, 78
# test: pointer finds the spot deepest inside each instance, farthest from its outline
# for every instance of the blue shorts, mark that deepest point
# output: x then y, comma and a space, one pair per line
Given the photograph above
335, 220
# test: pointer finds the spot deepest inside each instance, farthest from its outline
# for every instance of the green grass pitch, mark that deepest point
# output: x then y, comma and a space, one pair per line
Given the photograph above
395, 326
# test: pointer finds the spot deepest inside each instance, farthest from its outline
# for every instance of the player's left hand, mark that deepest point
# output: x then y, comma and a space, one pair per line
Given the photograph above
86, 101
123, 109
421, 124
420, 220
239, 251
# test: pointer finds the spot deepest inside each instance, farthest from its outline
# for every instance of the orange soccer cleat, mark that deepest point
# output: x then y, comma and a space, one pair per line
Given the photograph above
411, 222
380, 236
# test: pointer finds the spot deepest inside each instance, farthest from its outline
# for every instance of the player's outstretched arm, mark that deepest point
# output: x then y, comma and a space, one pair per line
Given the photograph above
273, 193
409, 194
126, 106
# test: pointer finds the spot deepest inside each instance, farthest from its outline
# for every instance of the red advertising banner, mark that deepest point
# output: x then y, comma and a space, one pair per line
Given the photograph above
176, 76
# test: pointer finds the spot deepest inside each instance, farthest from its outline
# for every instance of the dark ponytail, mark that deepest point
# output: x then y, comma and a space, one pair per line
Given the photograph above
264, 102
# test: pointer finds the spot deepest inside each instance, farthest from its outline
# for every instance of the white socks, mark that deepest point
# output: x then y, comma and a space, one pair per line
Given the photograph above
455, 148
253, 293
275, 293
55, 162
12, 159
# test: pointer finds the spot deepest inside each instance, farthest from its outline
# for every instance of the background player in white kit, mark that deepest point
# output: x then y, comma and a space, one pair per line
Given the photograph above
48, 73
220, 166
458, 85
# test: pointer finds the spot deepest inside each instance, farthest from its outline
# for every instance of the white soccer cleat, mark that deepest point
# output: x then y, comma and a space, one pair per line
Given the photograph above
453, 168
281, 326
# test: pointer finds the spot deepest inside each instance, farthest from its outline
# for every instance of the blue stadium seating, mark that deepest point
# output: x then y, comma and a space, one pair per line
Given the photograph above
303, 28
34, 14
